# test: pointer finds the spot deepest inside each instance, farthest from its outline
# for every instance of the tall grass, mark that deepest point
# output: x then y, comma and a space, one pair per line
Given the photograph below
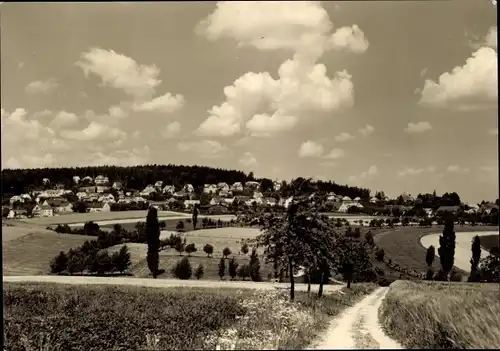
442, 315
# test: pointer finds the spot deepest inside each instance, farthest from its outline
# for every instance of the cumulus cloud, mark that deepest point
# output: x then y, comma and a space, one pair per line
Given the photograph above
117, 112
419, 127
120, 72
95, 131
16, 127
416, 171
133, 157
64, 120
366, 130
310, 148
171, 130
204, 148
248, 160
335, 154
302, 87
350, 38
166, 103
41, 86
343, 137
469, 87
457, 169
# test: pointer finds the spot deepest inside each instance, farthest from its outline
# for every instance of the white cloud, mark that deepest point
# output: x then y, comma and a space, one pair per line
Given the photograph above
372, 171
117, 112
120, 72
95, 131
350, 38
302, 88
42, 87
171, 130
491, 39
416, 171
493, 131
343, 137
16, 128
134, 157
471, 86
366, 130
204, 148
64, 119
418, 127
166, 103
335, 154
457, 169
248, 160
310, 148
41, 114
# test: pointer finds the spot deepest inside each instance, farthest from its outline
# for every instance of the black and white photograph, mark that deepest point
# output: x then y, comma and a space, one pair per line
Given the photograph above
249, 175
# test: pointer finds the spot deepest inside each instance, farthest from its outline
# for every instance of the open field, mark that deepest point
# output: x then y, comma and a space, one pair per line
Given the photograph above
490, 241
97, 216
442, 315
31, 253
176, 217
403, 244
13, 232
190, 318
463, 244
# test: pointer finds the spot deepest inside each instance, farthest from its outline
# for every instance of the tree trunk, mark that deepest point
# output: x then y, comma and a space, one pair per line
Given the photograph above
348, 283
320, 291
292, 283
308, 281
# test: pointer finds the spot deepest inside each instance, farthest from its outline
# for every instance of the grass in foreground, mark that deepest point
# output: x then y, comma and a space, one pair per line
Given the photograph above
442, 315
69, 317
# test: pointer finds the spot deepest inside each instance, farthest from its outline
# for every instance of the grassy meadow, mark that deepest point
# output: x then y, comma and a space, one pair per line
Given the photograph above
442, 314
85, 317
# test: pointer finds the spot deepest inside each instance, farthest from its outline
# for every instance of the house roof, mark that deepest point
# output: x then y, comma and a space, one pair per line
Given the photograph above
447, 208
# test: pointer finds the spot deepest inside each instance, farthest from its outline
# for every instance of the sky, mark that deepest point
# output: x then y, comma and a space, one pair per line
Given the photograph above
399, 96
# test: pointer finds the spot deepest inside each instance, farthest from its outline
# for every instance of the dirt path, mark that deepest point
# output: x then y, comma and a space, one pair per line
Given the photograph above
163, 283
358, 327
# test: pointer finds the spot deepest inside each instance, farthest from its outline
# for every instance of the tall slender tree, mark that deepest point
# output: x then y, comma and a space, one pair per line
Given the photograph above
476, 257
195, 216
446, 249
153, 240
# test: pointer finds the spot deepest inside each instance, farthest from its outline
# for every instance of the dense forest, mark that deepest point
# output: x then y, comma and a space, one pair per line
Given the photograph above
17, 181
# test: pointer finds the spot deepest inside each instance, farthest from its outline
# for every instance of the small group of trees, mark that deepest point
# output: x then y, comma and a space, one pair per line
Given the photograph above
183, 270
89, 258
250, 270
486, 269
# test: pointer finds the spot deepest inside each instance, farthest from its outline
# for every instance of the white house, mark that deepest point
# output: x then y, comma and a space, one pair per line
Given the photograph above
17, 214
107, 198
223, 186
191, 203
276, 185
209, 188
76, 179
168, 189
229, 200
117, 185
346, 200
101, 180
87, 179
357, 199
237, 186
188, 188
148, 191
373, 200
287, 202
252, 185
16, 198
43, 210
159, 184
45, 181
216, 200
257, 195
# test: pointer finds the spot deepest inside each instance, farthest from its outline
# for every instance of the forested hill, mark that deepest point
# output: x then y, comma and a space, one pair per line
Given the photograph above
17, 181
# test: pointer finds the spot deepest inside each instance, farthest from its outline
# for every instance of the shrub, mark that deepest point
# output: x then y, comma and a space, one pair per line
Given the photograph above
233, 266
190, 249
244, 248
222, 267
208, 249
198, 273
121, 260
429, 275
244, 271
182, 269
102, 263
255, 267
455, 276
369, 238
59, 263
180, 246
379, 255
76, 261
226, 252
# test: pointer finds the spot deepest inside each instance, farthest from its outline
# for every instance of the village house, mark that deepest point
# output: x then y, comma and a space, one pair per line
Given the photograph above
428, 212
237, 186
228, 200
346, 200
101, 180
357, 199
222, 186
45, 181
257, 195
168, 189
148, 191
96, 207
16, 198
271, 201
209, 188
43, 210
216, 200
159, 205
218, 209
188, 188
101, 189
331, 197
76, 179
191, 203
59, 205
26, 197
88, 189
373, 200
450, 209
117, 185
87, 180
252, 185
180, 195
48, 194
225, 193
276, 185
107, 198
